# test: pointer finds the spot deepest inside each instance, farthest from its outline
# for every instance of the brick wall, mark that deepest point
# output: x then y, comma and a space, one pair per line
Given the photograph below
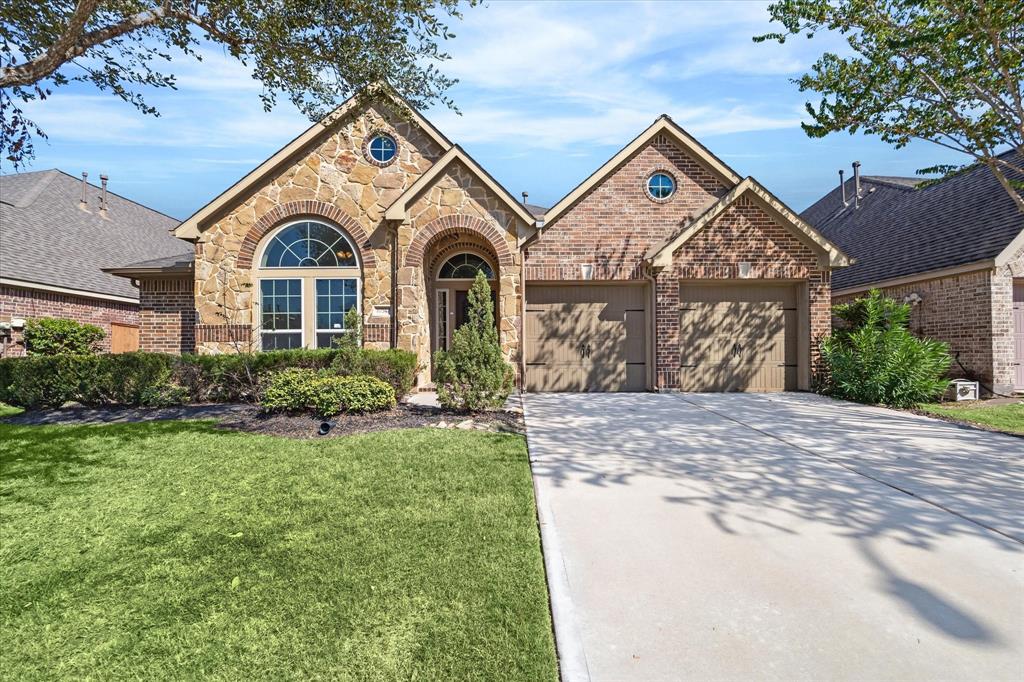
16, 302
958, 310
613, 225
743, 233
167, 314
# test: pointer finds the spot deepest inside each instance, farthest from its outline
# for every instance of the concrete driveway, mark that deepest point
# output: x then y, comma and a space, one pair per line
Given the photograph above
787, 536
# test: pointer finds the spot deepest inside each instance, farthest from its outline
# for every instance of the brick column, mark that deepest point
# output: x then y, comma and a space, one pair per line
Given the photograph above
666, 326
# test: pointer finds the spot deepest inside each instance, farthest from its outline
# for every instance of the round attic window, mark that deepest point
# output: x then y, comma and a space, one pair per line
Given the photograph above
661, 186
381, 149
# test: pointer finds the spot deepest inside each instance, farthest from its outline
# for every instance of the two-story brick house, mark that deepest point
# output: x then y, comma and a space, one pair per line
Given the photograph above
663, 270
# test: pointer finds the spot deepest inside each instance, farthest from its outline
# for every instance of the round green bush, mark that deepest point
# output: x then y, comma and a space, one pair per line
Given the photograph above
325, 394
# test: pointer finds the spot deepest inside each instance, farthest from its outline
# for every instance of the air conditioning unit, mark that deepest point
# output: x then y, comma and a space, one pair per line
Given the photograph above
965, 390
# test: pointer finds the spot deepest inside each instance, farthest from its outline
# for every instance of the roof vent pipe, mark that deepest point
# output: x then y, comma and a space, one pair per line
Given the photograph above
85, 182
525, 196
856, 184
842, 186
103, 195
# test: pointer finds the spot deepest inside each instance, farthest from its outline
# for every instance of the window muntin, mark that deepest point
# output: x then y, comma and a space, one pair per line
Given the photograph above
382, 148
334, 298
661, 186
309, 244
465, 266
280, 314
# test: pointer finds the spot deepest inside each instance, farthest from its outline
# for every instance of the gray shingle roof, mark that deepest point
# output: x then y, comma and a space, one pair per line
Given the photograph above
899, 230
46, 238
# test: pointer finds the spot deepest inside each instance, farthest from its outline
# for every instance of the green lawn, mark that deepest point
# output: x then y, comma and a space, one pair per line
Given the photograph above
171, 550
1007, 417
8, 410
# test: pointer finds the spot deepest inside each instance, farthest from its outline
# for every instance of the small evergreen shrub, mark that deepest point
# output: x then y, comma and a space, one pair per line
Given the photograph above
472, 374
289, 390
364, 393
55, 336
325, 394
873, 358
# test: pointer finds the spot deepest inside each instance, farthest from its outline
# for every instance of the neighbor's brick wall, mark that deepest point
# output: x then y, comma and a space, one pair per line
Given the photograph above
30, 303
167, 314
613, 225
742, 233
1003, 355
958, 310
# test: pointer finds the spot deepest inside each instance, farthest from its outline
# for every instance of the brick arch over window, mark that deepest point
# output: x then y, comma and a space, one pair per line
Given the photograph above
313, 210
458, 225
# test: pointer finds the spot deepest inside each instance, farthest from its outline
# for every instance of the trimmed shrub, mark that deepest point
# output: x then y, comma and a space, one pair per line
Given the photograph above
289, 390
56, 336
240, 377
325, 394
472, 374
39, 382
873, 358
137, 378
396, 367
363, 393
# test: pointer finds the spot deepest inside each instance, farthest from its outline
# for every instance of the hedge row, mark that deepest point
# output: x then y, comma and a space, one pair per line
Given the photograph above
152, 379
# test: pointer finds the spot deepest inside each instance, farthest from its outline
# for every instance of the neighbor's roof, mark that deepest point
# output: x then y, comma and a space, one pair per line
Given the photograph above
47, 239
901, 229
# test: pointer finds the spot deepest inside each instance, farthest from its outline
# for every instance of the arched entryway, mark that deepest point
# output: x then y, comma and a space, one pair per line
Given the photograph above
451, 271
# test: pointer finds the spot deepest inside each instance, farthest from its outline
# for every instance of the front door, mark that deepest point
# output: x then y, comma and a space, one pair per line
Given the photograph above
452, 311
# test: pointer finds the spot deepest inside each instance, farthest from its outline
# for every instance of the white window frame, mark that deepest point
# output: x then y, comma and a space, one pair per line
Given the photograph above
314, 312
443, 323
302, 310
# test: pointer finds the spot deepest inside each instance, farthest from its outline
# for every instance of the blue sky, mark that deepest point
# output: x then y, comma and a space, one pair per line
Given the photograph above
547, 93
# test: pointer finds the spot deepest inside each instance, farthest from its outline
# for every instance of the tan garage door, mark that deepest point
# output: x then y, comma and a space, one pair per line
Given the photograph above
737, 337
585, 338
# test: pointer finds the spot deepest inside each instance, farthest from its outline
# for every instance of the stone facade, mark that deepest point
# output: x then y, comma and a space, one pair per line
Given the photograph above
18, 302
457, 208
334, 180
973, 313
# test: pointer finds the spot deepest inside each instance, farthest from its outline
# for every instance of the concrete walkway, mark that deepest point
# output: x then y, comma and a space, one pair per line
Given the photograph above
777, 537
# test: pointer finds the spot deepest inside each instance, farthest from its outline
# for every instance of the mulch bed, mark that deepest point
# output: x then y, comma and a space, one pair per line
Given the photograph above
249, 418
401, 417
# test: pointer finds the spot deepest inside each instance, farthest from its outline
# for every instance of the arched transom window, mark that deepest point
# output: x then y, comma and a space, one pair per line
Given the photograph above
308, 281
465, 266
309, 244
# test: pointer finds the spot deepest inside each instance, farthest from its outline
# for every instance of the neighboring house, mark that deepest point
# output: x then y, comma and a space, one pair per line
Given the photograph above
56, 233
954, 249
663, 270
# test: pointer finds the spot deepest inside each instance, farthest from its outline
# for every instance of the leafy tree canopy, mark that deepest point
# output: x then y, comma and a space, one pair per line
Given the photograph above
314, 52
945, 71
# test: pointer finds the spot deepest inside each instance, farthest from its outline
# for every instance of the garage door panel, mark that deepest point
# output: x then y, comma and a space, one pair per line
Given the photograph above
737, 337
581, 337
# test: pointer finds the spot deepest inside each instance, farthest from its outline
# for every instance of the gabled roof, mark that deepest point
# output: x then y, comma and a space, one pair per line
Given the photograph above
660, 255
397, 210
190, 228
663, 125
48, 239
903, 230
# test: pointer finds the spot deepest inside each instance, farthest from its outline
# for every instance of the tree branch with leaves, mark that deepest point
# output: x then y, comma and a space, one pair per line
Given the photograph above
945, 71
314, 52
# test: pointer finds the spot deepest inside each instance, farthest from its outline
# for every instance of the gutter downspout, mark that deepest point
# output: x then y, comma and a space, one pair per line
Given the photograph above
652, 327
393, 332
522, 324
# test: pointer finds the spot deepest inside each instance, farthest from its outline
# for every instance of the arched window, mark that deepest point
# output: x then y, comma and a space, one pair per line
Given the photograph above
308, 280
309, 245
465, 266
